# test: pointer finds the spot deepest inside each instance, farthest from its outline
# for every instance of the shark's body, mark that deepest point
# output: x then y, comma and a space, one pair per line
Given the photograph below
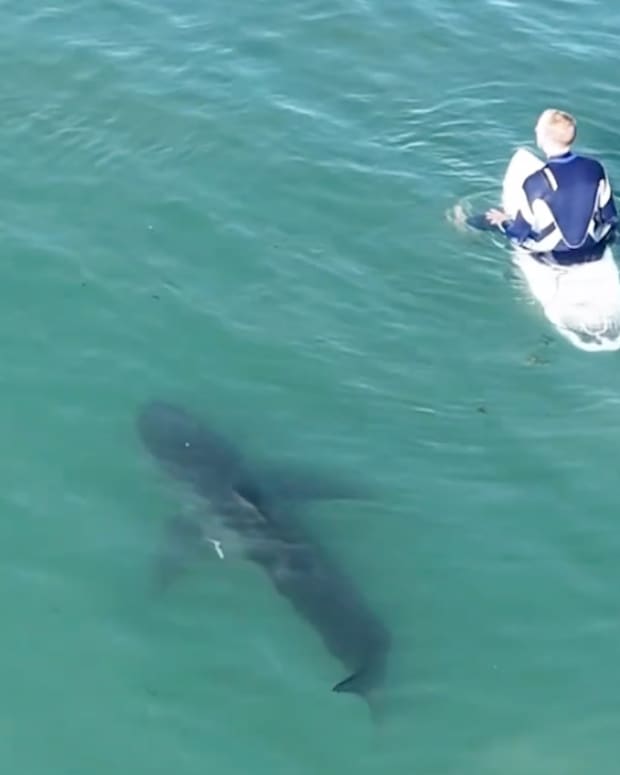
260, 514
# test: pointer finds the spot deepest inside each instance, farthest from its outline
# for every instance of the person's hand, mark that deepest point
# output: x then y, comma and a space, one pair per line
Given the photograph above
496, 217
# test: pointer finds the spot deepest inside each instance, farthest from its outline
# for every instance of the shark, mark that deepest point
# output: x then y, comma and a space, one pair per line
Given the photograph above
257, 505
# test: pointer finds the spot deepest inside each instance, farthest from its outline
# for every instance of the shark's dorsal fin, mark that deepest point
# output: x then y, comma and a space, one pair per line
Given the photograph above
249, 491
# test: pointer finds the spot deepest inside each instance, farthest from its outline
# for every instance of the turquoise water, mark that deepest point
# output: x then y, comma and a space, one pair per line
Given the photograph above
240, 207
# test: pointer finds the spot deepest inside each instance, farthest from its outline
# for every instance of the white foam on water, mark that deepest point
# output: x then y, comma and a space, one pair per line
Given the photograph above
582, 301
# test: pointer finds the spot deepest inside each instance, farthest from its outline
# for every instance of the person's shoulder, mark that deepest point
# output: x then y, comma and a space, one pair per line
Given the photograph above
585, 157
591, 161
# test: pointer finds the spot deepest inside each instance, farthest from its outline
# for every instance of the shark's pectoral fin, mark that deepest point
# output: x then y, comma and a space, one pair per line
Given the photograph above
296, 484
184, 544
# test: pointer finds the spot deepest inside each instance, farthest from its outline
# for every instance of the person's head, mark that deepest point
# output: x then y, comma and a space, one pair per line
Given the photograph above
555, 132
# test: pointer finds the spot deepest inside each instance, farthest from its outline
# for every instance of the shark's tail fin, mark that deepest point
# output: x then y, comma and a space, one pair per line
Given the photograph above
363, 683
357, 683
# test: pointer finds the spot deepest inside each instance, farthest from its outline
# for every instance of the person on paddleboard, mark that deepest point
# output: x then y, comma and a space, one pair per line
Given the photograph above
567, 212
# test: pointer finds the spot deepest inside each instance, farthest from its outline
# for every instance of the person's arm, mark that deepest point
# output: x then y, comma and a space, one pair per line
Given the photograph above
607, 213
519, 230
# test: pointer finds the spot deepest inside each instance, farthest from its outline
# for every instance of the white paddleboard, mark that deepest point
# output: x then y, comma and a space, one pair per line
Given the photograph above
582, 301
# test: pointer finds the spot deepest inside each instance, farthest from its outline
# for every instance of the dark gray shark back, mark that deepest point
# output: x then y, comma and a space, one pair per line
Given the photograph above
273, 538
302, 572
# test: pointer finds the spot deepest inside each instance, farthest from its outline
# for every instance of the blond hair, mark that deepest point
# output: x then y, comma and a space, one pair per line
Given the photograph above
557, 126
